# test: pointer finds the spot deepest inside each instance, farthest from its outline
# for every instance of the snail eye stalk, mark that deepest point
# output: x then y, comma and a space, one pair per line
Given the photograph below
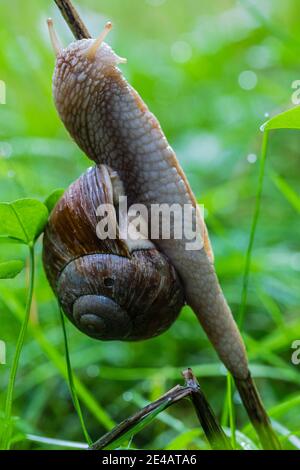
54, 39
91, 53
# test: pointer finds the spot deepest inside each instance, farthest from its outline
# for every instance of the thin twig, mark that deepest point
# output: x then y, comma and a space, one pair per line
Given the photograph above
171, 397
211, 427
73, 19
212, 430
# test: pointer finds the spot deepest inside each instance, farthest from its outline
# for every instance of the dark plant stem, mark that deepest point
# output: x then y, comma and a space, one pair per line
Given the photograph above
257, 413
212, 429
171, 397
73, 19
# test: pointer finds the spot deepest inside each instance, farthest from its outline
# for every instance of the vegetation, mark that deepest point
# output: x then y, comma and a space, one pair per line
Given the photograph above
212, 72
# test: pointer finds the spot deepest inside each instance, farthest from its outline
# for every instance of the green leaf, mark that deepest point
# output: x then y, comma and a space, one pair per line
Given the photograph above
53, 199
22, 220
10, 269
5, 240
287, 120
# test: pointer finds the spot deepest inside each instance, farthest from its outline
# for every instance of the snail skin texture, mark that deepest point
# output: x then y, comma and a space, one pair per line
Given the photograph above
113, 126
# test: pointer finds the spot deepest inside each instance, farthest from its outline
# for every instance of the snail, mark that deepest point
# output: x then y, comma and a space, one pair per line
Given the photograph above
112, 125
109, 288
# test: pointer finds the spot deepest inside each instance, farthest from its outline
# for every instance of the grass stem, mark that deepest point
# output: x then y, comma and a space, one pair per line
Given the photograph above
7, 425
71, 382
246, 275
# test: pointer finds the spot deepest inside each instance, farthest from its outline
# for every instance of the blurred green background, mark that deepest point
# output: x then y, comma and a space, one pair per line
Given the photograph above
212, 72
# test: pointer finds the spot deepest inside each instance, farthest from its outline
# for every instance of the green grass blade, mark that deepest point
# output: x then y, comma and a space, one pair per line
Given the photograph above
242, 310
54, 356
7, 428
231, 411
241, 314
71, 381
288, 193
56, 442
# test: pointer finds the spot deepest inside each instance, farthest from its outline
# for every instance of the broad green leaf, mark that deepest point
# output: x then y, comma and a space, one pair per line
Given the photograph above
287, 120
53, 199
22, 220
10, 269
5, 240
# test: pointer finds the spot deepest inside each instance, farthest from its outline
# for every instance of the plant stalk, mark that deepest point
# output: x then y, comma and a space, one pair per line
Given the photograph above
73, 19
6, 432
212, 429
257, 413
72, 387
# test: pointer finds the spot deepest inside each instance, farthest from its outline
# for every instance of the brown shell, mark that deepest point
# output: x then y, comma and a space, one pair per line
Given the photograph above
105, 291
71, 230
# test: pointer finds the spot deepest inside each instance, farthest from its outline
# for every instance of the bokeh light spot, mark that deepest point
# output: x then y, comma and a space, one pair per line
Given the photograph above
247, 80
181, 51
252, 158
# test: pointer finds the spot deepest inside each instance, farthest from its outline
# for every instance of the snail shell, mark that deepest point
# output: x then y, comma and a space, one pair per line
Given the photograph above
109, 289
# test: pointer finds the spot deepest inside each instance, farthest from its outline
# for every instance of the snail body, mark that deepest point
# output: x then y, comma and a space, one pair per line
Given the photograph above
112, 125
110, 289
131, 289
